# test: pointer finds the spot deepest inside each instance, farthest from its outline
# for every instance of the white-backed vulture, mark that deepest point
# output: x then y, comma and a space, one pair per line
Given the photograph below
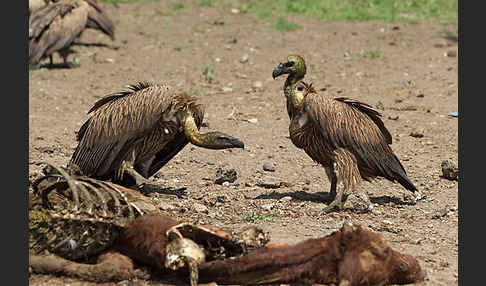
345, 136
55, 26
136, 132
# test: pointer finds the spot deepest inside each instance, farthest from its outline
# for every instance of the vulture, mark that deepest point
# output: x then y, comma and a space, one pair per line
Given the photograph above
137, 131
345, 136
55, 25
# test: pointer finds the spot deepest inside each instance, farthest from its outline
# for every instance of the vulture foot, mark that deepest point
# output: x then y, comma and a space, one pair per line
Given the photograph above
337, 203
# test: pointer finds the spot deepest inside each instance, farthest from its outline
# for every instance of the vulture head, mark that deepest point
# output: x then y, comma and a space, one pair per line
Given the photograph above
293, 65
218, 140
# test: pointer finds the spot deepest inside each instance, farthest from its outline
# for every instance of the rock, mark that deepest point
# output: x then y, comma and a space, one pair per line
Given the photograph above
227, 89
225, 175
416, 134
200, 208
253, 120
450, 54
258, 84
269, 167
285, 199
268, 207
166, 206
449, 170
359, 202
440, 213
244, 59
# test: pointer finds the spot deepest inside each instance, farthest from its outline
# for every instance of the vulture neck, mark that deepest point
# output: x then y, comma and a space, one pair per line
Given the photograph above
289, 89
192, 132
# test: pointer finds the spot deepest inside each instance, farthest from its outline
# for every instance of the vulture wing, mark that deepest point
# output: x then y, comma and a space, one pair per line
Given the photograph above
97, 19
173, 147
355, 126
54, 27
118, 121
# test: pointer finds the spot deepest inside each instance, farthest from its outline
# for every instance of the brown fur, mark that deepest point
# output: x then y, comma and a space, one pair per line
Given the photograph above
111, 266
352, 254
145, 240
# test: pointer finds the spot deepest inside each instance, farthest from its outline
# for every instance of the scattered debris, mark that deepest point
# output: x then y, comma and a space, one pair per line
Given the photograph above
225, 175
449, 170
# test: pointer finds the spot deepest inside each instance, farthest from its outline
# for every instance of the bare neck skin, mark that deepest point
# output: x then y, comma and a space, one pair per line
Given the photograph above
289, 89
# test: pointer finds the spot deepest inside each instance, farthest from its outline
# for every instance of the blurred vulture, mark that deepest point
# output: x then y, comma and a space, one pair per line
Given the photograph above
54, 25
345, 136
136, 132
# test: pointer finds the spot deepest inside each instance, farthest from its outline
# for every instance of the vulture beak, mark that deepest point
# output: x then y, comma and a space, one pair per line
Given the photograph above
237, 143
279, 70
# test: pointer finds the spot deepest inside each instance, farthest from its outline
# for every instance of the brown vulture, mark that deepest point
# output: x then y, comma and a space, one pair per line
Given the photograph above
345, 136
56, 25
136, 132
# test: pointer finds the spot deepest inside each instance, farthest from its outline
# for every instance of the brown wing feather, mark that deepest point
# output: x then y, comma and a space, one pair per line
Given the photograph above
61, 25
372, 114
98, 19
119, 120
352, 125
174, 146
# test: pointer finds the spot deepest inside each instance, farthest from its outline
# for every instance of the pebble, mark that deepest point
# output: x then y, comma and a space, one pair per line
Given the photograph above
416, 134
253, 120
268, 207
449, 170
258, 84
269, 167
450, 54
225, 175
200, 208
244, 59
285, 199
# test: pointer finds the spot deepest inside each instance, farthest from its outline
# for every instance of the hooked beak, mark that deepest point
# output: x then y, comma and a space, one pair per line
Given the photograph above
237, 143
279, 70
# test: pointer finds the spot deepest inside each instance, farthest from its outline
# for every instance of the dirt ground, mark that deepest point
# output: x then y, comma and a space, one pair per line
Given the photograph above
414, 80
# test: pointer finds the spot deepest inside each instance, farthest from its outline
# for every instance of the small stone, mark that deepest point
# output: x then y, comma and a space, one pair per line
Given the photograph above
450, 54
253, 120
258, 84
449, 170
269, 167
285, 199
200, 208
227, 89
225, 184
416, 134
268, 207
235, 11
244, 59
225, 175
359, 202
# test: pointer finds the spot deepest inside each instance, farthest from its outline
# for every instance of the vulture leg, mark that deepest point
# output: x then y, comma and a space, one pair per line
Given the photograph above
146, 186
345, 170
331, 175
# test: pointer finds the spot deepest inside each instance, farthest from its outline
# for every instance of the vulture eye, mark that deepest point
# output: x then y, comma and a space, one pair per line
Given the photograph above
289, 64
